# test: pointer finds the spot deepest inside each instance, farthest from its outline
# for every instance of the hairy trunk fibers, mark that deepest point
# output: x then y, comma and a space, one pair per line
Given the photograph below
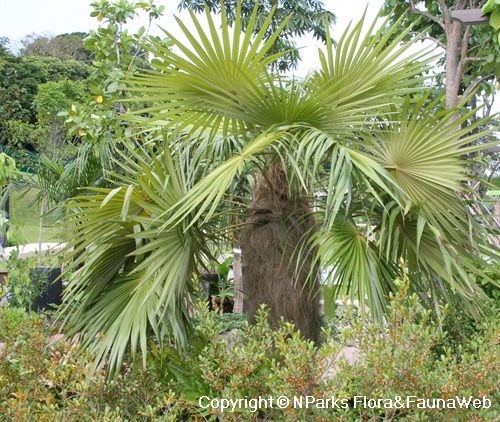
278, 267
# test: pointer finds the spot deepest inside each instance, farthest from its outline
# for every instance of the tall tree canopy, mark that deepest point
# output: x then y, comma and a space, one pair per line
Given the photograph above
63, 47
4, 45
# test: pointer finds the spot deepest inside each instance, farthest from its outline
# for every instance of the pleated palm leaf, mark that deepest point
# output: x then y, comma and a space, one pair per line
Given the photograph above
431, 228
131, 280
353, 175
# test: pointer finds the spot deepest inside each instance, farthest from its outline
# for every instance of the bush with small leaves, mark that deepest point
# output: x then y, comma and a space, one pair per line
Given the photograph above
42, 381
398, 359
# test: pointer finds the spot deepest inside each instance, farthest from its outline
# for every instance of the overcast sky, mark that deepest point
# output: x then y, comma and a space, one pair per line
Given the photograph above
21, 17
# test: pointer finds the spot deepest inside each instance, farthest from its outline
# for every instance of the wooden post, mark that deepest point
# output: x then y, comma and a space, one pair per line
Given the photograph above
238, 281
40, 230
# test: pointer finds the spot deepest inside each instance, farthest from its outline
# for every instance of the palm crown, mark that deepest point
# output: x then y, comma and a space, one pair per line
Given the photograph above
380, 168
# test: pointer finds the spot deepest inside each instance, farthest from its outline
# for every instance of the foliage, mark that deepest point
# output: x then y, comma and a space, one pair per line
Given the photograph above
4, 46
394, 358
20, 290
397, 357
459, 326
56, 181
53, 98
16, 234
67, 164
45, 190
345, 315
265, 362
492, 7
230, 321
300, 17
385, 171
96, 123
8, 168
16, 320
115, 50
253, 361
42, 382
24, 225
20, 134
492, 290
19, 81
63, 47
224, 288
141, 265
312, 136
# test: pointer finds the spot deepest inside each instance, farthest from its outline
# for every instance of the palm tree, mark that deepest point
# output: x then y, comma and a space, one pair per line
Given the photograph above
358, 170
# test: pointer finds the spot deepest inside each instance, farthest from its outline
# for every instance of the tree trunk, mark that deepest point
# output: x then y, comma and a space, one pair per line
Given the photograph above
279, 268
454, 72
457, 51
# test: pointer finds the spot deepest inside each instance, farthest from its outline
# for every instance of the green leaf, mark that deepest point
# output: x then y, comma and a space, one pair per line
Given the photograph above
495, 19
490, 7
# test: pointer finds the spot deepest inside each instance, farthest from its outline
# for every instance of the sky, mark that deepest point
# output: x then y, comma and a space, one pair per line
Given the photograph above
22, 17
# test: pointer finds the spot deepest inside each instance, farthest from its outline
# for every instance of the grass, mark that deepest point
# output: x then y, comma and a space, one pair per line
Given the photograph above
25, 221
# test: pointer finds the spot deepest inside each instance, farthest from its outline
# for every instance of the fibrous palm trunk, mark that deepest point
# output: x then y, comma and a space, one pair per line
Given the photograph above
278, 258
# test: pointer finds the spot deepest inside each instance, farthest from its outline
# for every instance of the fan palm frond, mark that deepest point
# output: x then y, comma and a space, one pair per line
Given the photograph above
137, 270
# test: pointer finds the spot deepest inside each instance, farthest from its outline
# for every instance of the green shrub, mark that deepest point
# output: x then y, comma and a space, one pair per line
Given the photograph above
15, 321
20, 289
52, 383
254, 361
231, 321
396, 358
492, 290
15, 235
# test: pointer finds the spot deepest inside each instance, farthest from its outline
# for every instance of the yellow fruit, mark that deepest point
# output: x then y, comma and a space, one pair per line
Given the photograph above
100, 17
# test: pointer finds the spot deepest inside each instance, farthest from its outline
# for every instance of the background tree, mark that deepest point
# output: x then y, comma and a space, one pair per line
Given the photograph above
492, 9
20, 78
52, 99
116, 52
63, 47
471, 63
471, 59
307, 16
4, 45
87, 108
44, 59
